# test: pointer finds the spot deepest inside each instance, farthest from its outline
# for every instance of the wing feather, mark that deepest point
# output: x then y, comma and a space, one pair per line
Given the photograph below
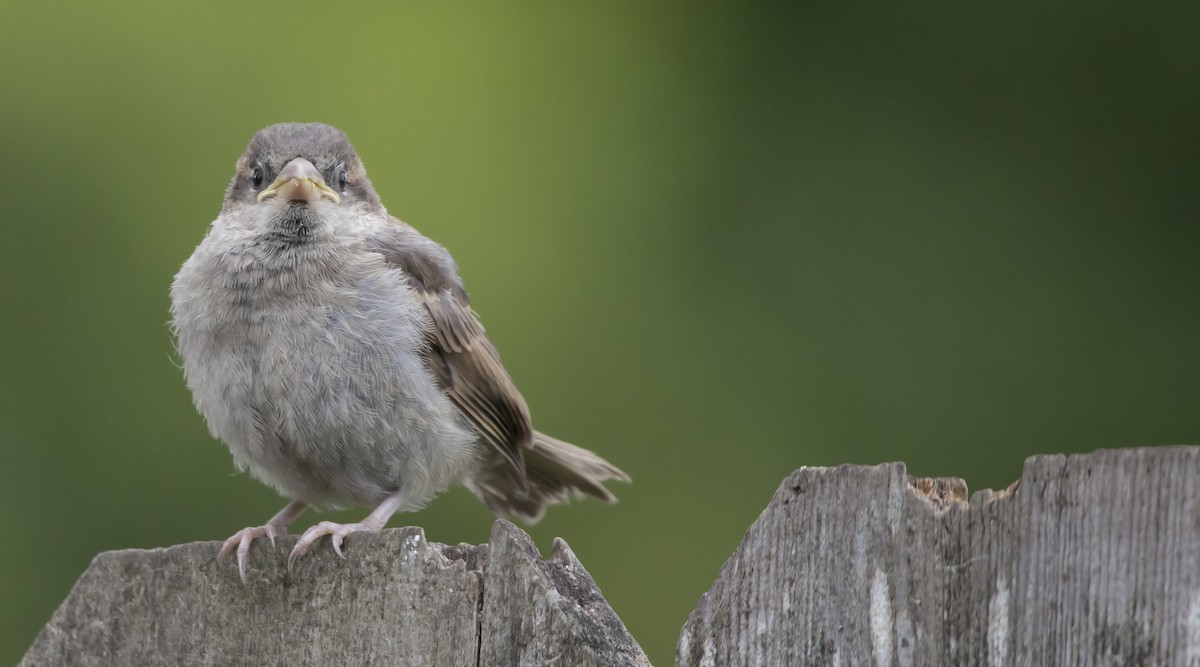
460, 356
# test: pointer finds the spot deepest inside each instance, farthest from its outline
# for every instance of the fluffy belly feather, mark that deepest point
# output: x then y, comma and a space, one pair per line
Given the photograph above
323, 393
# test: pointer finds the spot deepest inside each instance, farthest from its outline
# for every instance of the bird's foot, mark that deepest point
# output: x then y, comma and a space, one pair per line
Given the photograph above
241, 541
336, 532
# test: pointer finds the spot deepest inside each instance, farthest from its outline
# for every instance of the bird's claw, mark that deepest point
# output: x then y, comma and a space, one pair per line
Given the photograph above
241, 541
336, 532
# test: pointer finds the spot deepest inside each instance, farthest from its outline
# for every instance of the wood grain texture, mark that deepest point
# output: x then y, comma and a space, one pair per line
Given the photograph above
1088, 560
394, 600
548, 612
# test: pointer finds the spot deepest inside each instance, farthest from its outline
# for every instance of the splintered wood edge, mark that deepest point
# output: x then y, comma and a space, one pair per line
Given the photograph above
941, 492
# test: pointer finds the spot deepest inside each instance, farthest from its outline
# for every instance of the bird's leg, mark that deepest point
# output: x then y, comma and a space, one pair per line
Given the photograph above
337, 531
277, 526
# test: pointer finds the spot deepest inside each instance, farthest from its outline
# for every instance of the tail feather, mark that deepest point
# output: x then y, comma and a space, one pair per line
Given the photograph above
555, 471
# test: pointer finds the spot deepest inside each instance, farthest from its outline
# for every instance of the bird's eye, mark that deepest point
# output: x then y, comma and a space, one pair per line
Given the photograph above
257, 178
341, 177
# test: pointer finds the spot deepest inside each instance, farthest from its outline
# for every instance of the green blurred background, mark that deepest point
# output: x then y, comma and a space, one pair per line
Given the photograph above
713, 242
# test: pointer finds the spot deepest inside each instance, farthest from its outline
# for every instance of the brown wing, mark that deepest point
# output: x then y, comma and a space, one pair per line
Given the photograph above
460, 357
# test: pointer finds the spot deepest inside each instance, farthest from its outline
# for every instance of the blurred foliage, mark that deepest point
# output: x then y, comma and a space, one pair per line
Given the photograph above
713, 242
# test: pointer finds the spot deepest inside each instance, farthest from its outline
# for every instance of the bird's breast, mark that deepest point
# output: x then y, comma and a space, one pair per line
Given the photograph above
310, 367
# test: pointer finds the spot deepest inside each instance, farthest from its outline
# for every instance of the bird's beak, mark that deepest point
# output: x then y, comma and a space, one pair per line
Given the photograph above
299, 180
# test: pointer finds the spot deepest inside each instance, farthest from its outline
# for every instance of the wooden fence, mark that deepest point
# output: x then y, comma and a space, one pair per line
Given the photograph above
1087, 560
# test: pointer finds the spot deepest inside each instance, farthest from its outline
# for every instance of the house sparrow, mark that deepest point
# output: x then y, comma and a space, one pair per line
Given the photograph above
332, 348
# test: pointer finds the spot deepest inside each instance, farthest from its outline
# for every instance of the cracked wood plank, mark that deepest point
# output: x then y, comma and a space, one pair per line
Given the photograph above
396, 599
1089, 559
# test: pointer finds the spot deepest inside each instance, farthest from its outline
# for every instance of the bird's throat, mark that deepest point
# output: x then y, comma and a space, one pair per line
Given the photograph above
295, 225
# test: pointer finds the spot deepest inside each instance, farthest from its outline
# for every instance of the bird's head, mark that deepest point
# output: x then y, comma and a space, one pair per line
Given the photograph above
296, 174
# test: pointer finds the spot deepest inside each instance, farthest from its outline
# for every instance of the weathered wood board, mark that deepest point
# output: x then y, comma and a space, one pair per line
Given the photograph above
394, 600
1088, 560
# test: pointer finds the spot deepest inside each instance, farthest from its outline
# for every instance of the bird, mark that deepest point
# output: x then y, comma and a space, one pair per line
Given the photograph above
333, 349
